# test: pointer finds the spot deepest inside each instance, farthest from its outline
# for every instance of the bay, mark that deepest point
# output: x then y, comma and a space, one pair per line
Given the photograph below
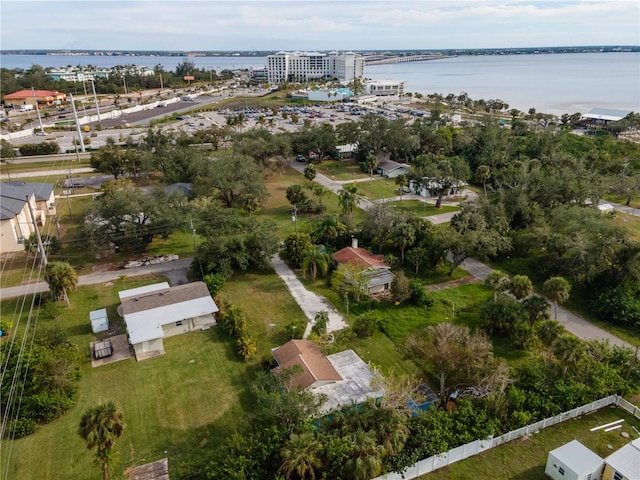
550, 83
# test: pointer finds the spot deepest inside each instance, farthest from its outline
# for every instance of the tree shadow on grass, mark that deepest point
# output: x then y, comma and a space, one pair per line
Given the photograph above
534, 473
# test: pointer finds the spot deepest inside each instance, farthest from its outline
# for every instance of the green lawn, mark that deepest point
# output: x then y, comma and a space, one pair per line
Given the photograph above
184, 402
378, 189
421, 208
278, 209
525, 458
629, 223
268, 306
341, 170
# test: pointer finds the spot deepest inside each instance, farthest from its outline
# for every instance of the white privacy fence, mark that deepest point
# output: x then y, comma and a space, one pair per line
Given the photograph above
465, 451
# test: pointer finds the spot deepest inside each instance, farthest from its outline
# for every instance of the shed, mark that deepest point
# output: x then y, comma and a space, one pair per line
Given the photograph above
574, 461
99, 320
623, 464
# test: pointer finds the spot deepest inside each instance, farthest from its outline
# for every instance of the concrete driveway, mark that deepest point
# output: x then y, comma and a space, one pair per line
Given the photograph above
310, 303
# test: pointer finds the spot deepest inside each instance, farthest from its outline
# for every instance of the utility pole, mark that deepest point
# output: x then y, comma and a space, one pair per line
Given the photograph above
35, 100
75, 116
43, 255
195, 247
95, 99
124, 82
59, 237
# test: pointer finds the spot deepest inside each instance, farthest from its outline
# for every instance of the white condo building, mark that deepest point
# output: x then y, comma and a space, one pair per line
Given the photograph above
304, 66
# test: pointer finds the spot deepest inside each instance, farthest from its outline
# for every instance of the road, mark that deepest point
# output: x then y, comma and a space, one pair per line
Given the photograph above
174, 270
570, 321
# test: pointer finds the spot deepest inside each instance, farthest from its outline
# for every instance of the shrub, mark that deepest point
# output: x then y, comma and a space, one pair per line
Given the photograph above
215, 282
366, 324
419, 294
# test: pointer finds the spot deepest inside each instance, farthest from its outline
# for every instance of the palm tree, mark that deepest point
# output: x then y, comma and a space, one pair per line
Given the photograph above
497, 281
483, 174
557, 288
548, 332
365, 457
371, 163
315, 261
348, 198
520, 286
569, 350
100, 427
246, 347
404, 235
402, 181
301, 455
330, 229
62, 278
537, 307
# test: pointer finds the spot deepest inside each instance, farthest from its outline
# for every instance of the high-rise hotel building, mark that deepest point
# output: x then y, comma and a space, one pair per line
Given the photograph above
305, 66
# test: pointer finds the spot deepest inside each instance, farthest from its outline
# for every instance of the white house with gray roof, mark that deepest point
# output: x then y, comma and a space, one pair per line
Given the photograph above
16, 223
157, 311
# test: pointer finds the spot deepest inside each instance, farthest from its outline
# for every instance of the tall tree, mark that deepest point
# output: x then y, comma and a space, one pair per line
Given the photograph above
498, 282
62, 278
370, 163
316, 262
558, 290
364, 457
537, 308
348, 198
100, 427
520, 286
483, 174
301, 455
403, 236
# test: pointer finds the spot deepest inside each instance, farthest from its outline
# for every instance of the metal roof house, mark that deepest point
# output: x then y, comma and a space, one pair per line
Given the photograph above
341, 379
573, 461
623, 464
157, 311
391, 169
602, 116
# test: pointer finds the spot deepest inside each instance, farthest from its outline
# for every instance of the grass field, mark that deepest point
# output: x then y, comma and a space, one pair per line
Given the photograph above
341, 170
182, 403
378, 189
525, 458
421, 208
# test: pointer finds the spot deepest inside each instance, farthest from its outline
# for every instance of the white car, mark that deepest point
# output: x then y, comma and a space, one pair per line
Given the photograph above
42, 134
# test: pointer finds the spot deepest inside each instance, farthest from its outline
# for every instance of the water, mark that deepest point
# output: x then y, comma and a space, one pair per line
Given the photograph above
558, 83
169, 63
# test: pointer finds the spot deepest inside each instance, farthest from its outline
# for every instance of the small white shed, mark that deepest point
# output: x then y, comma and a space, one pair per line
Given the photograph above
574, 461
99, 320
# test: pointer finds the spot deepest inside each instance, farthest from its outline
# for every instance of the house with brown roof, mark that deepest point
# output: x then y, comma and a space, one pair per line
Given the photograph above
379, 275
339, 379
30, 97
157, 311
315, 369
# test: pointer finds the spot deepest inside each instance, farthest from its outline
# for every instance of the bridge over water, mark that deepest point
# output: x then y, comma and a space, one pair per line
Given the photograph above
385, 59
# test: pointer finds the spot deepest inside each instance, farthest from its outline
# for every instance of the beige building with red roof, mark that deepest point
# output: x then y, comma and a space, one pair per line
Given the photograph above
43, 97
339, 379
316, 369
379, 275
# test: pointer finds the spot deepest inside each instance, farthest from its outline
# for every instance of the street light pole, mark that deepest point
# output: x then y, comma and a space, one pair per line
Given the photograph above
294, 217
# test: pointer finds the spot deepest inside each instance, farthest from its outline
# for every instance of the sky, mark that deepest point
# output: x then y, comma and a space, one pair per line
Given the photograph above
315, 25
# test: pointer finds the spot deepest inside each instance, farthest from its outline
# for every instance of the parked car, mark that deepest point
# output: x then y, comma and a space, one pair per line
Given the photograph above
42, 134
180, 117
300, 158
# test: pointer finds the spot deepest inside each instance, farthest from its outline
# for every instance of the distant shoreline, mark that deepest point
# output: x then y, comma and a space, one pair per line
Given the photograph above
390, 53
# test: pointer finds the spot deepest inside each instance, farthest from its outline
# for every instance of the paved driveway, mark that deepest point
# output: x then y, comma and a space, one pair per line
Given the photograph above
310, 303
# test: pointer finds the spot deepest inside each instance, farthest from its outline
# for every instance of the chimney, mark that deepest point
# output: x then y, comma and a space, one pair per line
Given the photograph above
354, 242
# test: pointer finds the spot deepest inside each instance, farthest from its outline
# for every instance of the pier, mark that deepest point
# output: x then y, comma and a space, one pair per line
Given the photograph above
385, 59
